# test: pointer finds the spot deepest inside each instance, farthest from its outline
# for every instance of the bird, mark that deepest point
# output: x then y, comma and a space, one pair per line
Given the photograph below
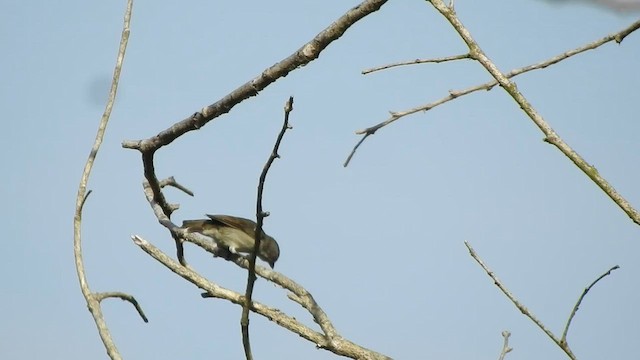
236, 234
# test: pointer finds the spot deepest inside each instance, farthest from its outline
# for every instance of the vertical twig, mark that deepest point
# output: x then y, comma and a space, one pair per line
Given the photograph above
505, 345
260, 215
93, 302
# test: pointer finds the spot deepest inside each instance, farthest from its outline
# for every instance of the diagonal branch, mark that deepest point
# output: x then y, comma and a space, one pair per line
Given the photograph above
550, 135
522, 308
260, 215
340, 346
93, 300
304, 55
454, 94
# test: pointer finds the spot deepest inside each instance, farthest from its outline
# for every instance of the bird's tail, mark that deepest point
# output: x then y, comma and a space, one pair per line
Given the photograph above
193, 225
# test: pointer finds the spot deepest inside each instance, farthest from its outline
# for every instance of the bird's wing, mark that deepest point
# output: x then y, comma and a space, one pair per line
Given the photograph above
245, 225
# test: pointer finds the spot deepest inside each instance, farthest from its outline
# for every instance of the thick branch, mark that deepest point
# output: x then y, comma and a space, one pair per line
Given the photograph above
304, 55
505, 345
93, 300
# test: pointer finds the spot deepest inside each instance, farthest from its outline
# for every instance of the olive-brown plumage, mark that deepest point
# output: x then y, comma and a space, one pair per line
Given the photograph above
236, 234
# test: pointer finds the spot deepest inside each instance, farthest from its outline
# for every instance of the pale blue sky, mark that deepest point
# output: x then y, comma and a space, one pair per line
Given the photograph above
380, 243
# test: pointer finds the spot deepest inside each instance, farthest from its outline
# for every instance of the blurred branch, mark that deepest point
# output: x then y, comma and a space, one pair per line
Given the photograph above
260, 215
505, 345
454, 94
563, 339
550, 135
93, 299
340, 346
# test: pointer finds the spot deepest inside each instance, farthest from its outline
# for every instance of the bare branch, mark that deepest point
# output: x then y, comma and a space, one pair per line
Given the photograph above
93, 302
304, 297
416, 61
454, 94
171, 181
124, 297
340, 346
505, 345
563, 339
307, 53
515, 302
550, 135
260, 215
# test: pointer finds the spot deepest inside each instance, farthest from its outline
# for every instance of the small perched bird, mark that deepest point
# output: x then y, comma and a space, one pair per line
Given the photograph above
236, 234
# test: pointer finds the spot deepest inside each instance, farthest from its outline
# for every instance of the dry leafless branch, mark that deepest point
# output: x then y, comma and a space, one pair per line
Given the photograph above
307, 53
563, 339
93, 299
550, 135
561, 342
171, 181
454, 94
505, 345
339, 346
260, 215
417, 61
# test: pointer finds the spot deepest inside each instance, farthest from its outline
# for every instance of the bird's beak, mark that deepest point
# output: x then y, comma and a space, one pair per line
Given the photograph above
272, 264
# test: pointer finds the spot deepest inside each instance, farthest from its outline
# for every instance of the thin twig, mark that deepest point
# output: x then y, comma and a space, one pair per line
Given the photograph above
341, 347
505, 345
260, 215
124, 297
92, 301
417, 61
563, 339
454, 94
550, 135
515, 302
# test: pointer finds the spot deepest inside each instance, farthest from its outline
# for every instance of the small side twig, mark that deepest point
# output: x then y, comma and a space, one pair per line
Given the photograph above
93, 301
417, 61
124, 297
505, 345
563, 339
260, 215
171, 181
